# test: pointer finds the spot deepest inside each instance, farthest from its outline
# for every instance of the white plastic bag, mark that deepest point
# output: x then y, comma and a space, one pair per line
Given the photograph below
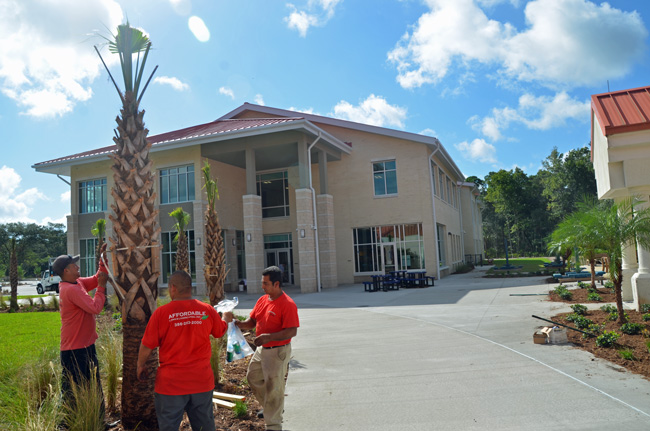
237, 347
226, 305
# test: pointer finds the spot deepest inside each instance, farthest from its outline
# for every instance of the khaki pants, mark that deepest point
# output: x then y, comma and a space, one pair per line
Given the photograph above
266, 373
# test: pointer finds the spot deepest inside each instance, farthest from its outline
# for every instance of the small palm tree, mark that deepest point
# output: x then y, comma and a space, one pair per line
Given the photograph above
215, 254
182, 256
620, 226
99, 232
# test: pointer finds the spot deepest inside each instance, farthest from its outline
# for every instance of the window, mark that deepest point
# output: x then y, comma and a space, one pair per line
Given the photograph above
169, 254
274, 190
92, 196
87, 262
433, 178
441, 178
448, 190
385, 178
440, 230
407, 239
177, 184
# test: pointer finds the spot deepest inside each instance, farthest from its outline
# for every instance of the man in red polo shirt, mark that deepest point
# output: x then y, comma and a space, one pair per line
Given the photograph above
275, 319
185, 380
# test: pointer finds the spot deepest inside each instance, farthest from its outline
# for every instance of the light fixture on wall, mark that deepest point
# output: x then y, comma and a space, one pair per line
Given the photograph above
302, 233
249, 238
198, 241
449, 233
232, 241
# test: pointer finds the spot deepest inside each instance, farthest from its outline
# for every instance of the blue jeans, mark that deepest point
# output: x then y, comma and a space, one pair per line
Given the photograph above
170, 408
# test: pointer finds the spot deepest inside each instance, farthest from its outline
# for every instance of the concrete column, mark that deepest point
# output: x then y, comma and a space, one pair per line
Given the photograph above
326, 241
641, 280
231, 259
322, 171
251, 172
306, 245
254, 247
630, 266
73, 234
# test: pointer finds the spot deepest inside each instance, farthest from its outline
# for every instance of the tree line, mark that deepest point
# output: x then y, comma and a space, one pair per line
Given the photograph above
35, 244
523, 210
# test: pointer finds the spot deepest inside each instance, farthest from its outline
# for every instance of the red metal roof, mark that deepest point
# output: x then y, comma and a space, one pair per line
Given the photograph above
202, 130
622, 111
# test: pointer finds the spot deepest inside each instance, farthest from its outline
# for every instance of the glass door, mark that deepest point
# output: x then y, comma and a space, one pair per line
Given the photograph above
389, 258
282, 259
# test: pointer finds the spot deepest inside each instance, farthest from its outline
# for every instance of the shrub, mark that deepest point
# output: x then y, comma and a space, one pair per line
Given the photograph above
582, 322
631, 328
579, 309
593, 296
647, 344
563, 293
645, 308
594, 329
240, 410
627, 354
646, 317
54, 303
110, 353
608, 308
607, 339
583, 285
117, 326
609, 284
85, 412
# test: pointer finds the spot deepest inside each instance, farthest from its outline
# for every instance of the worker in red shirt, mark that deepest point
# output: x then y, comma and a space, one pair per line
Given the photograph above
275, 319
184, 381
78, 328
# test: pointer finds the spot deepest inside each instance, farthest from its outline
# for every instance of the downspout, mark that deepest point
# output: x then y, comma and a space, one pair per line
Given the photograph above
433, 207
63, 179
460, 216
313, 201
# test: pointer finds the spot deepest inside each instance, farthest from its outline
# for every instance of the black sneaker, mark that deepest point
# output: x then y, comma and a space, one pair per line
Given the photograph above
260, 414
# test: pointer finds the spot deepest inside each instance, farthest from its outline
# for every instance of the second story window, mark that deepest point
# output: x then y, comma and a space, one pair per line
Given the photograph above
177, 184
92, 196
274, 190
385, 178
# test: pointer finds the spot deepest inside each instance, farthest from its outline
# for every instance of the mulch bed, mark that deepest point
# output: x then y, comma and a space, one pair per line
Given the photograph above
635, 343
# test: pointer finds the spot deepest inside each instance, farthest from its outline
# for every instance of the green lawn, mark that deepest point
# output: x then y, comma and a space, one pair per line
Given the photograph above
530, 264
25, 336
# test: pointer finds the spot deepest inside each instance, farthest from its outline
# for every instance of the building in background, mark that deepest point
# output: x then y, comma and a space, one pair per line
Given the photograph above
329, 201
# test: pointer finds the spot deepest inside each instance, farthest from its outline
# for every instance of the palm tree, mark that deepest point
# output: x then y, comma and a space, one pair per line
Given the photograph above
215, 254
182, 257
135, 231
99, 232
13, 275
619, 226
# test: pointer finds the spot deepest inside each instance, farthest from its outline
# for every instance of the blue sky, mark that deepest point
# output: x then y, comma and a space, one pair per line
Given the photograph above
499, 82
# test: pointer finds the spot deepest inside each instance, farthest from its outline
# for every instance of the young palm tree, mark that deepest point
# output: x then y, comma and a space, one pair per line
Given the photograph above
215, 254
619, 226
182, 256
135, 231
13, 275
99, 232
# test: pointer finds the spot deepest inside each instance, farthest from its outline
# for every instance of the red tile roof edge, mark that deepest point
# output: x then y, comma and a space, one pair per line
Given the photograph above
622, 111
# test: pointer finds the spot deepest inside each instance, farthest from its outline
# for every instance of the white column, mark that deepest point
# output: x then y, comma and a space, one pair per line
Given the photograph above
630, 267
307, 245
641, 280
255, 247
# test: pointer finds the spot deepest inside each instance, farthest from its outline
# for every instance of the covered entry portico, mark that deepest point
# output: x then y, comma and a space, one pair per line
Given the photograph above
281, 197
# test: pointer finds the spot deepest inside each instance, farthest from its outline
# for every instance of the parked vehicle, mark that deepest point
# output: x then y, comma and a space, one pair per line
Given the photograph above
49, 281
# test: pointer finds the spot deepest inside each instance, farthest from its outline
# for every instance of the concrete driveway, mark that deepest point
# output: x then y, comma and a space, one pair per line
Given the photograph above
457, 356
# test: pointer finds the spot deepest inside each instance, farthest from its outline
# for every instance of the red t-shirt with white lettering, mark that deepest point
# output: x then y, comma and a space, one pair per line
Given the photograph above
273, 316
182, 330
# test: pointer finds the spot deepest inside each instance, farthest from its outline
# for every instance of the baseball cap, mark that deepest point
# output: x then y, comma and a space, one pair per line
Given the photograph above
61, 262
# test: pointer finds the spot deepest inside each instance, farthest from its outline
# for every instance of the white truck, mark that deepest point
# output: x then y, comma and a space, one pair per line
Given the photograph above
48, 281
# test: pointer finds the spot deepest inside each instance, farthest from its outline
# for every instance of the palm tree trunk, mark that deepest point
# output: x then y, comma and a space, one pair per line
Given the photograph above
618, 282
138, 411
592, 264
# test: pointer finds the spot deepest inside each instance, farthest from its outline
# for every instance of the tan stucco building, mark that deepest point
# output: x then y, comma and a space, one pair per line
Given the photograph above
329, 201
620, 145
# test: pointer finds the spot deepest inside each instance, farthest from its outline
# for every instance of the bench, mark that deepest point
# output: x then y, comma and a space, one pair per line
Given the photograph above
369, 286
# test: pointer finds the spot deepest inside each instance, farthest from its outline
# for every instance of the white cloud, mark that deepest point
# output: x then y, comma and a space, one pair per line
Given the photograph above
227, 91
375, 111
175, 83
318, 13
198, 29
181, 7
565, 43
65, 196
47, 60
535, 112
478, 150
16, 205
259, 99
429, 132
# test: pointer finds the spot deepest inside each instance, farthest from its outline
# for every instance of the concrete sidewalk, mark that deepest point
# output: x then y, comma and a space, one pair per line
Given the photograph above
457, 356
